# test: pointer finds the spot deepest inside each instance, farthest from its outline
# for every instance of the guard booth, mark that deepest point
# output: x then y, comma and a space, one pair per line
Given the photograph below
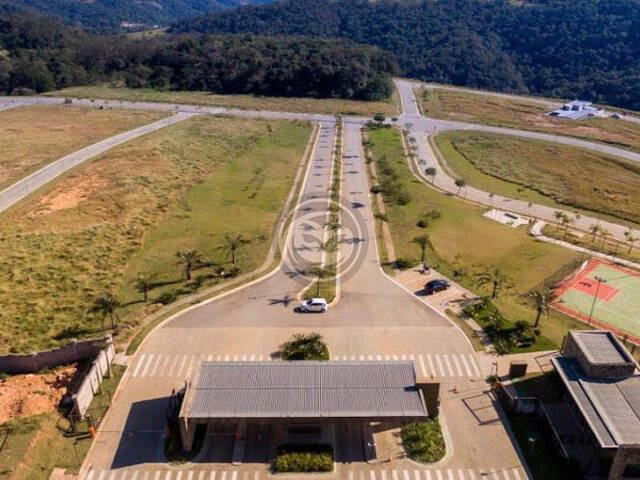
299, 400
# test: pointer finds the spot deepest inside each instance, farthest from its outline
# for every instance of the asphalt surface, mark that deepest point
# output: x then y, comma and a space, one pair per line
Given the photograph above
19, 190
421, 128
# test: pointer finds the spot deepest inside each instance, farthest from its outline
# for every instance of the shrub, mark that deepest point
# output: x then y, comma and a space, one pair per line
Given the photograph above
167, 297
305, 347
303, 458
422, 223
403, 197
404, 263
423, 441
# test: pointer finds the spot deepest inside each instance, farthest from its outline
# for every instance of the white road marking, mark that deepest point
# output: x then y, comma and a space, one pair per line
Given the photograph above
455, 361
350, 475
212, 476
494, 474
475, 366
138, 365
234, 476
135, 475
90, 475
395, 357
428, 474
439, 474
450, 475
394, 475
362, 358
182, 365
219, 358
440, 366
252, 358
446, 360
235, 358
460, 474
466, 366
378, 357
403, 357
422, 367
179, 476
102, 474
516, 474
372, 474
223, 476
506, 475
432, 368
416, 474
405, 475
146, 367
244, 358
168, 475
472, 476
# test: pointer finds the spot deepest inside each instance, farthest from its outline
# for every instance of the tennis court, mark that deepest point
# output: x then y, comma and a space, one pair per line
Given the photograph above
603, 294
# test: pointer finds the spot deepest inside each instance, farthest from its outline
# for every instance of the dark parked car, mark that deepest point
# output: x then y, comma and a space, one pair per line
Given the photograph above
435, 286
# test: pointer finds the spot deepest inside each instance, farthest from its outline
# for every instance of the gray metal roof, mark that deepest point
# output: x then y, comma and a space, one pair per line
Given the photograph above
610, 407
306, 390
600, 347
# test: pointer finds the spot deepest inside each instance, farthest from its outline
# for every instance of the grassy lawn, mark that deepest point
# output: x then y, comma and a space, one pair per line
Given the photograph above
542, 172
35, 135
246, 102
423, 441
504, 112
465, 243
36, 445
129, 211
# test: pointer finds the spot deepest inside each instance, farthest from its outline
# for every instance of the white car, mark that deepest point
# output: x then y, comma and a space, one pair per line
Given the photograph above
314, 305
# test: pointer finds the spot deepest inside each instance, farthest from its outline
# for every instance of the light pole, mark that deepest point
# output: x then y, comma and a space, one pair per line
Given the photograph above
600, 280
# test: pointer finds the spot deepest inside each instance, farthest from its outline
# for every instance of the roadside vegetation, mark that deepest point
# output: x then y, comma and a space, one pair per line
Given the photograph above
473, 250
36, 135
182, 208
598, 239
302, 346
423, 441
335, 106
543, 172
506, 112
303, 458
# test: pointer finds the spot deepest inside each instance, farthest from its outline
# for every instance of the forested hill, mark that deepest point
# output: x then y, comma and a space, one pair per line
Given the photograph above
565, 48
121, 15
37, 55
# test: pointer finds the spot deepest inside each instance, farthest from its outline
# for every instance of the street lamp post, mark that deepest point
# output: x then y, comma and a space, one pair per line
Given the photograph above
600, 281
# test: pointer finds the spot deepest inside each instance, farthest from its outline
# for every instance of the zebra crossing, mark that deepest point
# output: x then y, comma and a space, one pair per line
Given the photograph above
516, 473
427, 365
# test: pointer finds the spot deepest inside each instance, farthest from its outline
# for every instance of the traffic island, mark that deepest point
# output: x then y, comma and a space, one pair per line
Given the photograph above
292, 458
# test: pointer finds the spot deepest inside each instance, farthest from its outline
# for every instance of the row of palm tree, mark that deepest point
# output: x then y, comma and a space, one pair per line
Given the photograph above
107, 304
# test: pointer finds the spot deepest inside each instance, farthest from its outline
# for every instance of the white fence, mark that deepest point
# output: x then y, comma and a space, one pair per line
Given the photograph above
90, 386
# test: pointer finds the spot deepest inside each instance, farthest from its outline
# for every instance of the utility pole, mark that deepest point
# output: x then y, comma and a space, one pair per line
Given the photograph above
600, 281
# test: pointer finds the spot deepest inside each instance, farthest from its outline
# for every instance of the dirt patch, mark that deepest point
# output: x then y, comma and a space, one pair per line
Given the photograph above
70, 194
33, 393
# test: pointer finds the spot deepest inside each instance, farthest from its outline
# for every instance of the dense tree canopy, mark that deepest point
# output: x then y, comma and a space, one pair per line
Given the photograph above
567, 48
39, 55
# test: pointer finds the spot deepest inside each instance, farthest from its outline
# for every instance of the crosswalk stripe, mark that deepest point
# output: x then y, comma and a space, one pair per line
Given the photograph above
446, 360
394, 475
387, 357
455, 361
212, 476
361, 358
353, 358
395, 357
256, 475
157, 363
235, 358
183, 364
234, 475
416, 474
427, 474
403, 357
190, 476
472, 475
432, 368
442, 372
138, 365
422, 367
516, 474
439, 474
350, 475
370, 358
179, 476
494, 474
384, 475
475, 366
90, 474
168, 475
146, 367
405, 475
372, 474
244, 358
450, 475
219, 358
124, 475
505, 473
378, 357
466, 366
135, 475
460, 474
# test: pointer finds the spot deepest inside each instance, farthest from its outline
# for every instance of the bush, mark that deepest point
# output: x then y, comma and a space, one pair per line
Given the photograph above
422, 223
404, 263
423, 441
167, 297
303, 458
403, 198
305, 347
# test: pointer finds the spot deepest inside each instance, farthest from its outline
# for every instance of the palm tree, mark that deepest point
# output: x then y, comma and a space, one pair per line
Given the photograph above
566, 220
305, 347
333, 226
594, 229
423, 242
460, 183
491, 194
543, 303
631, 239
143, 283
106, 304
189, 259
234, 242
604, 234
431, 172
320, 273
493, 277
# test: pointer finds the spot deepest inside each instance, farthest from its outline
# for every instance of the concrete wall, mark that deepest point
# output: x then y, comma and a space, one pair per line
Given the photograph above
572, 349
626, 455
72, 352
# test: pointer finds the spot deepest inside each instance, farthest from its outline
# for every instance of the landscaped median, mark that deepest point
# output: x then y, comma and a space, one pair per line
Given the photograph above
423, 441
466, 247
303, 459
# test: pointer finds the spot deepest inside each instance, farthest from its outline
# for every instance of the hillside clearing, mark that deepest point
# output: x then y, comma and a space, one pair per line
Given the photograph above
36, 135
129, 212
506, 112
543, 172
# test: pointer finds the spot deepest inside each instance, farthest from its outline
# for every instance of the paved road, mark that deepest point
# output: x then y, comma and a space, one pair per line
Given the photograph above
36, 180
375, 319
421, 128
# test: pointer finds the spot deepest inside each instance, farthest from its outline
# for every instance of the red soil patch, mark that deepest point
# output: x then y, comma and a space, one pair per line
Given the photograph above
70, 194
33, 394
